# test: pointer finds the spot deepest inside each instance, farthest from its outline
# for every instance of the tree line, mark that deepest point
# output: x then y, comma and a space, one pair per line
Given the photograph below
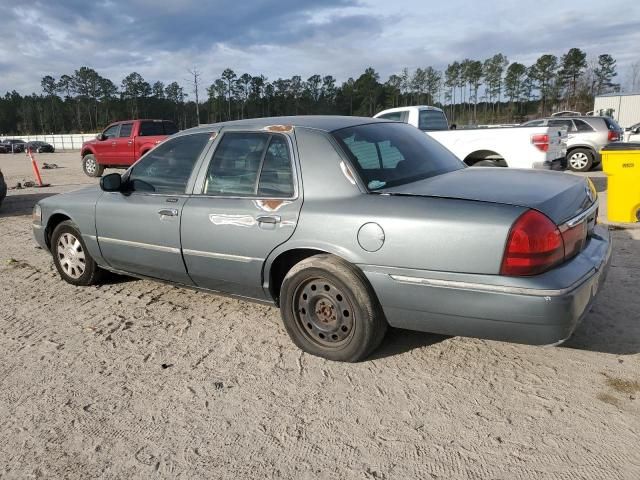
470, 91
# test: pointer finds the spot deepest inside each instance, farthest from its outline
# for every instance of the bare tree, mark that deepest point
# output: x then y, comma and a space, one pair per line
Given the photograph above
634, 76
196, 78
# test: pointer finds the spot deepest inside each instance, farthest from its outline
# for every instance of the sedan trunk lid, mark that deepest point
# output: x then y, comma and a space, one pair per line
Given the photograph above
560, 196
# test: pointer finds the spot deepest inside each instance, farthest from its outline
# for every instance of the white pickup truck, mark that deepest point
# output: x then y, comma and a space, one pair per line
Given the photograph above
517, 147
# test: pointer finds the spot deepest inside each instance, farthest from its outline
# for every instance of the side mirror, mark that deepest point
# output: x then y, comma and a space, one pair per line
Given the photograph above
111, 182
101, 136
636, 130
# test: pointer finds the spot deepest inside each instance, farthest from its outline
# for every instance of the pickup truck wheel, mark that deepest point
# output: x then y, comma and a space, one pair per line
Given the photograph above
71, 258
91, 167
485, 163
330, 310
580, 160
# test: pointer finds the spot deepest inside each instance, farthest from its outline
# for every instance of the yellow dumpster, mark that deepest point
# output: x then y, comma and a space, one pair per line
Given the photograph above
621, 164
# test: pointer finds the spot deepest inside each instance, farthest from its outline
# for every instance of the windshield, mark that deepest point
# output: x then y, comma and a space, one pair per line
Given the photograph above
430, 120
391, 154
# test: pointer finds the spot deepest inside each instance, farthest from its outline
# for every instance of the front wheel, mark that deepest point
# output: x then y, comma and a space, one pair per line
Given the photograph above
91, 167
330, 310
485, 163
580, 160
71, 258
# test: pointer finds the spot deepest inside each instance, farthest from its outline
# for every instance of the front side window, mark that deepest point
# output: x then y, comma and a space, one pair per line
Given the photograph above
432, 120
249, 164
166, 168
391, 154
112, 131
125, 130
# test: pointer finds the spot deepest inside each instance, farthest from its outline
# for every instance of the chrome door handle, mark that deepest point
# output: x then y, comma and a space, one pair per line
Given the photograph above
129, 142
113, 143
168, 212
268, 219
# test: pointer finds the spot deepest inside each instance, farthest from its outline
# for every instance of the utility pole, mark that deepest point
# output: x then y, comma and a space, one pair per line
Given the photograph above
196, 76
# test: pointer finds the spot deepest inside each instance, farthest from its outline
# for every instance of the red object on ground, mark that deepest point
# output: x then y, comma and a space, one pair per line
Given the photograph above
36, 170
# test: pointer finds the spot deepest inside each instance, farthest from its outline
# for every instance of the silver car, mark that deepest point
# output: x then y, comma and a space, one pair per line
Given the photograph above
586, 136
348, 225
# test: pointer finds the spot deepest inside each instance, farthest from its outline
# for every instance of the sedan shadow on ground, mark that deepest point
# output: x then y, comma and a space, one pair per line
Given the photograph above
398, 341
22, 204
613, 324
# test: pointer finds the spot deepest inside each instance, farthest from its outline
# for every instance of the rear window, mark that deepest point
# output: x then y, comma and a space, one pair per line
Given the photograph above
612, 124
391, 154
430, 120
152, 128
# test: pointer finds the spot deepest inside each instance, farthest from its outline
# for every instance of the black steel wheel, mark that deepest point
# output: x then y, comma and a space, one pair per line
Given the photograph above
330, 310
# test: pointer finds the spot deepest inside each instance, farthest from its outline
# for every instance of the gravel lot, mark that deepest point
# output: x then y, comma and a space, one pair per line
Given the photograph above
135, 379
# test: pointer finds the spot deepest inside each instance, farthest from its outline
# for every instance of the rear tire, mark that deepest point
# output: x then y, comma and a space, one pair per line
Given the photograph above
91, 167
580, 160
485, 163
71, 258
330, 310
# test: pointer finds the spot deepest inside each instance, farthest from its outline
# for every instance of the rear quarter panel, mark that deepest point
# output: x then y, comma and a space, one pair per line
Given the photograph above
422, 233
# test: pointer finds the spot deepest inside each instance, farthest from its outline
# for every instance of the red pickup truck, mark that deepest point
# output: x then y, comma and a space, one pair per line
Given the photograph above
121, 144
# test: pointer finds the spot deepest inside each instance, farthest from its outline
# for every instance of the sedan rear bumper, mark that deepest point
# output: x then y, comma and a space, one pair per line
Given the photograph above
502, 310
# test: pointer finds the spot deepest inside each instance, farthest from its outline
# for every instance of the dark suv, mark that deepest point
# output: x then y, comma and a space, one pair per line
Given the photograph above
586, 136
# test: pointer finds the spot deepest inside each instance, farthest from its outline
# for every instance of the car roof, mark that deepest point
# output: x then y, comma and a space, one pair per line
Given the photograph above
327, 123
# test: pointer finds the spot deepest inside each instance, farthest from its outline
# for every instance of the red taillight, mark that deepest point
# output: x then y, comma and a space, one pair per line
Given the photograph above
541, 142
534, 245
613, 136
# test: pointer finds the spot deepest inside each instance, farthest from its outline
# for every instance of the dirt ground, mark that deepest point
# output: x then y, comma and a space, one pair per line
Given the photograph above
134, 379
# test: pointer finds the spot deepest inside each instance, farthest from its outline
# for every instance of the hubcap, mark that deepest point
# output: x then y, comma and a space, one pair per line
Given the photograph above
323, 313
579, 160
90, 165
71, 255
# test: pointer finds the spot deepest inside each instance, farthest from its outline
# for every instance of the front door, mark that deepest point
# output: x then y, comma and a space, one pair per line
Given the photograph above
105, 148
245, 204
139, 229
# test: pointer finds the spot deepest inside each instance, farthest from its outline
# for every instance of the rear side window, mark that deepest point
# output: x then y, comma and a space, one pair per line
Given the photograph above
125, 130
534, 123
169, 128
582, 126
166, 168
568, 124
149, 129
431, 120
396, 116
276, 177
249, 164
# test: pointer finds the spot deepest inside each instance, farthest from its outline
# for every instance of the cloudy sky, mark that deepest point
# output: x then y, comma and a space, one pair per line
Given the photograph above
288, 37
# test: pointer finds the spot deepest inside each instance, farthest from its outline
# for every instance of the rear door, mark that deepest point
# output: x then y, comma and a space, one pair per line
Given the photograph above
139, 230
245, 203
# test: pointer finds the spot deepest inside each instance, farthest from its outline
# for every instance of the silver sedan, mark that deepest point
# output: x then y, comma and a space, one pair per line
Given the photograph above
348, 225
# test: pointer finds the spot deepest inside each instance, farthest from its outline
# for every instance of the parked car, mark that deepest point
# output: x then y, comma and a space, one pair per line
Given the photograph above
632, 134
586, 137
394, 230
540, 147
122, 143
40, 147
3, 148
3, 187
14, 145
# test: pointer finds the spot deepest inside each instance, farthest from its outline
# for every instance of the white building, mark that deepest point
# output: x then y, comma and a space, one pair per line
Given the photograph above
623, 107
